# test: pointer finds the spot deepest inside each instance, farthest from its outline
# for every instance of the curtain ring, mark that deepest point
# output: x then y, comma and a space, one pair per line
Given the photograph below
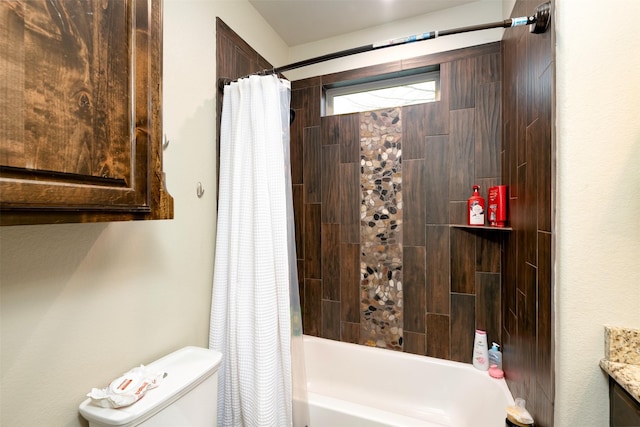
199, 190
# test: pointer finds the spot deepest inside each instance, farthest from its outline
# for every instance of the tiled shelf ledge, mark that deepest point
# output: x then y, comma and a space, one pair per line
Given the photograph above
480, 227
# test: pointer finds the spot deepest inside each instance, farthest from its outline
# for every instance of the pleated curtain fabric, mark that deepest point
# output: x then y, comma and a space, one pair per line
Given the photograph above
250, 315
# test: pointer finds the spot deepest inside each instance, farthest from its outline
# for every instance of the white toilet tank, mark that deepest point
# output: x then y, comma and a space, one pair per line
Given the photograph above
187, 397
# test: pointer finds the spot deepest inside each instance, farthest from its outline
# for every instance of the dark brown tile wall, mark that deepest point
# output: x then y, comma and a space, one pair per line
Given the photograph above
234, 59
461, 282
527, 152
451, 275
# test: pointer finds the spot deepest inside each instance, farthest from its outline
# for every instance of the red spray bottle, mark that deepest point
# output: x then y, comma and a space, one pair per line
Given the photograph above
475, 207
498, 205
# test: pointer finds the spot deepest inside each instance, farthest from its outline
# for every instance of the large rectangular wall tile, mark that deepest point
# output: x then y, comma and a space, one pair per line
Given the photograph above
437, 113
413, 134
529, 199
526, 325
342, 131
463, 318
300, 266
509, 342
463, 256
543, 408
451, 55
526, 344
488, 131
509, 281
350, 138
436, 186
330, 128
413, 183
521, 97
350, 332
513, 357
544, 345
437, 118
545, 153
350, 282
462, 146
415, 343
488, 251
458, 212
312, 242
508, 165
296, 150
297, 98
296, 102
310, 99
462, 84
516, 201
330, 320
489, 68
312, 155
331, 262
438, 337
225, 64
359, 73
437, 268
414, 289
330, 184
488, 305
298, 215
350, 202
312, 310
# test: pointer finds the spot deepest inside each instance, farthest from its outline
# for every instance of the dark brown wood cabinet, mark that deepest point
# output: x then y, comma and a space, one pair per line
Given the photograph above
624, 409
80, 111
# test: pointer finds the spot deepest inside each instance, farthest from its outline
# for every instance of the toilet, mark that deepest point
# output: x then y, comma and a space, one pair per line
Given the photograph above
187, 396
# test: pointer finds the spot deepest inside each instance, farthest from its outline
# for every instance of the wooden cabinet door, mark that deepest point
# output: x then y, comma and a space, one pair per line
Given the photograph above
624, 409
80, 132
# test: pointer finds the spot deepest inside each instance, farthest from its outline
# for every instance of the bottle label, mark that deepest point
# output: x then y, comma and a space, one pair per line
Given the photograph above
476, 214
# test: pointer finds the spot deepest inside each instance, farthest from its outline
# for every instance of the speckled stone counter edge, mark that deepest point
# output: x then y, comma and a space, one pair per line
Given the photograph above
622, 345
628, 376
622, 358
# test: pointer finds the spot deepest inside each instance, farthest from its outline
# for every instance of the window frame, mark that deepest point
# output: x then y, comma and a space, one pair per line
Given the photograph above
384, 81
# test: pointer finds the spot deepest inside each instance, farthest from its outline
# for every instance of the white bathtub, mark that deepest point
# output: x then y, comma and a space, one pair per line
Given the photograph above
353, 385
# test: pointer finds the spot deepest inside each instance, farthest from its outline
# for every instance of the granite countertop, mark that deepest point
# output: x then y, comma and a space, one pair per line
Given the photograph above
622, 358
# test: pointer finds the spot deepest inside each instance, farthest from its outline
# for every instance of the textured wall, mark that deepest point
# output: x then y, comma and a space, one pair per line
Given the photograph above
82, 303
598, 158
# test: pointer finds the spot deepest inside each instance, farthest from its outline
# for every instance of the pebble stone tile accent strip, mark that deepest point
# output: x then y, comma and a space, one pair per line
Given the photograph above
381, 229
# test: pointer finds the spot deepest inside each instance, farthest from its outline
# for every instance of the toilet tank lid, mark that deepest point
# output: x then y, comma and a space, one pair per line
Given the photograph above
186, 368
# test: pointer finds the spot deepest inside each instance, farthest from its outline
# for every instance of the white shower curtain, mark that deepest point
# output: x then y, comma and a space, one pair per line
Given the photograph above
255, 270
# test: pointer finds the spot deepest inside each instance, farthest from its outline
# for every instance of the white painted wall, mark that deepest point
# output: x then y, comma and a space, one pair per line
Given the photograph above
481, 12
82, 303
597, 194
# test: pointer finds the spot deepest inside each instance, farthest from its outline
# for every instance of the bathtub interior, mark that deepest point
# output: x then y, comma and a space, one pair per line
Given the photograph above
326, 411
426, 389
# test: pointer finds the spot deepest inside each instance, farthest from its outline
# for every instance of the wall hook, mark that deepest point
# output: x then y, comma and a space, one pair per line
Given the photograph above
165, 142
199, 190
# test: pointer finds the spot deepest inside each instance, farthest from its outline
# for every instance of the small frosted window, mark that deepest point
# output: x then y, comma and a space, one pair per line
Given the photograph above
387, 93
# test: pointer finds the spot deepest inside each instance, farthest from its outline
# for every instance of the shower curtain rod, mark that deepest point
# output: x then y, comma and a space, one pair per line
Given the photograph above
539, 23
